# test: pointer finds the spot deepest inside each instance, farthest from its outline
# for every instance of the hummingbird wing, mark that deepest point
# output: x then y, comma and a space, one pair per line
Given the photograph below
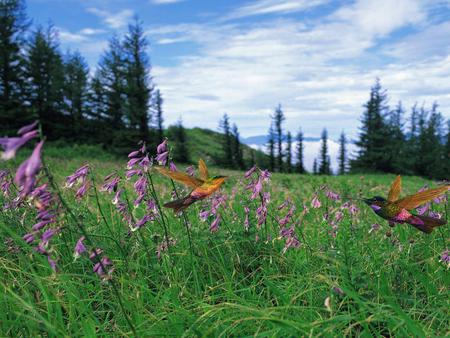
203, 169
395, 190
413, 201
180, 177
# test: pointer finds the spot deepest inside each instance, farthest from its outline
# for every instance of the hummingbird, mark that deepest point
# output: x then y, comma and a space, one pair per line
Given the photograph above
397, 210
203, 186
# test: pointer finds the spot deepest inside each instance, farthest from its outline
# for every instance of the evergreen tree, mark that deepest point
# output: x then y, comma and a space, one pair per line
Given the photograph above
227, 140
252, 157
76, 92
13, 26
342, 157
159, 116
315, 172
289, 152
324, 165
138, 81
97, 100
180, 151
374, 136
271, 148
110, 88
278, 119
237, 148
300, 167
45, 72
396, 152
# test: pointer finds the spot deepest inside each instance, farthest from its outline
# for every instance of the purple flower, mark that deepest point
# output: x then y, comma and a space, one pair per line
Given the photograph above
338, 216
116, 198
332, 195
80, 248
190, 170
110, 184
27, 128
374, 227
250, 172
162, 158
291, 242
48, 234
215, 224
133, 154
257, 188
98, 268
246, 221
204, 214
145, 163
79, 176
27, 171
52, 263
12, 144
162, 148
28, 238
172, 166
82, 190
95, 254
315, 203
131, 173
265, 175
445, 258
423, 209
353, 209
142, 222
140, 187
38, 226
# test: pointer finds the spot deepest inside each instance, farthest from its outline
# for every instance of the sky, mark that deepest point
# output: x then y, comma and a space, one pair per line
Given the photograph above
317, 58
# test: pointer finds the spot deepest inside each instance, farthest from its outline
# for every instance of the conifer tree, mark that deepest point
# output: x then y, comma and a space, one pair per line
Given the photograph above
289, 152
300, 167
238, 155
76, 92
45, 73
180, 151
159, 115
324, 165
315, 171
271, 148
138, 86
342, 157
278, 119
13, 26
227, 140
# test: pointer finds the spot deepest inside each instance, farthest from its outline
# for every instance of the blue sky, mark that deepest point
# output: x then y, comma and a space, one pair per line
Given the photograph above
318, 58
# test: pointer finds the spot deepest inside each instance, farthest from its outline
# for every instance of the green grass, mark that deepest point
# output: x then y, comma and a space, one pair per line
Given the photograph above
232, 285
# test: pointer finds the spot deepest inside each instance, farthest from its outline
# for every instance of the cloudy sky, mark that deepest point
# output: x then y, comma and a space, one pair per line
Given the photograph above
318, 58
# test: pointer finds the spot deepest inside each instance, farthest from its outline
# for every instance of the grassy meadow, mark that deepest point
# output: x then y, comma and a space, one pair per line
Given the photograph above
341, 280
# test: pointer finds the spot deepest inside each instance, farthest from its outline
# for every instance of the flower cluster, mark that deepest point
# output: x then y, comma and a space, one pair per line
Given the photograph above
79, 178
12, 144
217, 201
288, 232
138, 164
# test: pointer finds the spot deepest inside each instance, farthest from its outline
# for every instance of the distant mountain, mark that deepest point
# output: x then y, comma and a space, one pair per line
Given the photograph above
260, 140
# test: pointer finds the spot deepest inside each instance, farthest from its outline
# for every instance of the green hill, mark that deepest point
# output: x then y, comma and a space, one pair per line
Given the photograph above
207, 144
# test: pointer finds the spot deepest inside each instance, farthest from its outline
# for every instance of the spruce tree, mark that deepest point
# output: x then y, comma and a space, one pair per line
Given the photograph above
76, 92
374, 138
158, 102
271, 148
227, 141
278, 119
300, 167
289, 152
180, 151
342, 157
138, 86
238, 155
315, 172
324, 165
13, 27
45, 73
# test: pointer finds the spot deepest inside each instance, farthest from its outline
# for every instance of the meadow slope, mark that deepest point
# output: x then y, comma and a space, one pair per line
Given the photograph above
341, 278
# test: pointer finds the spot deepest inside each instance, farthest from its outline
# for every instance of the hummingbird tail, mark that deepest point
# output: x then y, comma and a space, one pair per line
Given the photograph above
180, 204
425, 223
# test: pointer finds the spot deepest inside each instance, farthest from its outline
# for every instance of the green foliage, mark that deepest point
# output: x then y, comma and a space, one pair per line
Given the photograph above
233, 285
325, 163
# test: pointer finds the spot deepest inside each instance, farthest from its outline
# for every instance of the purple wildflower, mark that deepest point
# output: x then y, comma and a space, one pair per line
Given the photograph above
162, 158
249, 173
48, 234
26, 129
98, 268
172, 166
338, 216
445, 258
52, 263
95, 254
142, 222
133, 154
265, 175
374, 227
28, 238
204, 214
12, 144
215, 224
190, 170
26, 173
80, 248
110, 183
79, 176
257, 188
162, 148
116, 198
246, 221
332, 195
82, 190
315, 203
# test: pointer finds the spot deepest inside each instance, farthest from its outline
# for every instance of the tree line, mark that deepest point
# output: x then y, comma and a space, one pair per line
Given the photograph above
115, 106
387, 142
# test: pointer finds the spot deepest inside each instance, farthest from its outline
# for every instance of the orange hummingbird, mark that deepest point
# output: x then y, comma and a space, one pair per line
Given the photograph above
397, 210
202, 187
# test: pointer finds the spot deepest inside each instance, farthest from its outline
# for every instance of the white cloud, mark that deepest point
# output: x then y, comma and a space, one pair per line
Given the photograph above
262, 7
116, 20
